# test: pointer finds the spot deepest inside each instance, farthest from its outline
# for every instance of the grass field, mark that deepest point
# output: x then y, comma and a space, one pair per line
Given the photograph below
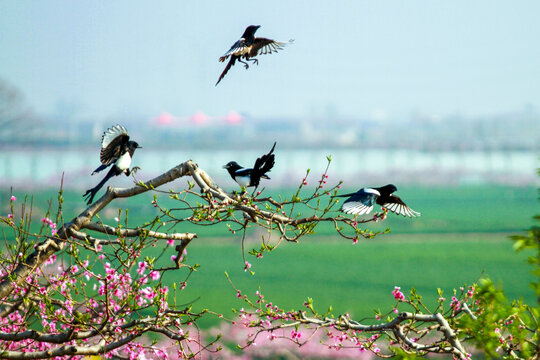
462, 234
357, 278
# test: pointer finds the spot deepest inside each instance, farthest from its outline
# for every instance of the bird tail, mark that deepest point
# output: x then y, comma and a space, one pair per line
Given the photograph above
229, 64
89, 194
345, 195
100, 168
267, 162
263, 165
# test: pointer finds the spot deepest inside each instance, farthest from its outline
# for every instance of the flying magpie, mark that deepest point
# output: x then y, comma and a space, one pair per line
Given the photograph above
361, 202
247, 47
116, 150
252, 177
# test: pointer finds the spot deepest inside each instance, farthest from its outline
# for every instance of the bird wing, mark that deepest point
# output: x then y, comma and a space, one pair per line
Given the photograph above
112, 143
361, 202
397, 206
229, 64
239, 48
265, 46
243, 172
243, 177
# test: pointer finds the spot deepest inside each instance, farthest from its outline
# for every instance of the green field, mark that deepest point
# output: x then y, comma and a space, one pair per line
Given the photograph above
357, 278
462, 234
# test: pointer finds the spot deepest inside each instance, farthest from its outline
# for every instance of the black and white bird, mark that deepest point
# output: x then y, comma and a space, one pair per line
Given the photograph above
251, 177
361, 202
116, 150
249, 46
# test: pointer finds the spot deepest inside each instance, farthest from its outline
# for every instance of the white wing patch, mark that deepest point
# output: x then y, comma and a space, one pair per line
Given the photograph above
273, 47
237, 49
356, 208
110, 134
371, 191
401, 209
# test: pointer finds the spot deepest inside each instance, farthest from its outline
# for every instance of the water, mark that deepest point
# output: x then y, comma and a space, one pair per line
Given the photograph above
44, 167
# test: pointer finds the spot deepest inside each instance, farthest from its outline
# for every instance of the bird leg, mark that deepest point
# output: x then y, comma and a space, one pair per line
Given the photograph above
256, 61
245, 63
135, 169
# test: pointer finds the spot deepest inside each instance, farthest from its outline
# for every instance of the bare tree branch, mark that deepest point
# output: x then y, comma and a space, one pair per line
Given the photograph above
110, 230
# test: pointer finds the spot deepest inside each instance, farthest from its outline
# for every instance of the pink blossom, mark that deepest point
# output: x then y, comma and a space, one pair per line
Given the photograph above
170, 242
455, 304
296, 334
149, 293
247, 266
13, 198
142, 267
154, 275
398, 295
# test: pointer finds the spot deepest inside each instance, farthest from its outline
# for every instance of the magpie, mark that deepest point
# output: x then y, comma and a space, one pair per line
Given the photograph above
252, 177
247, 47
361, 202
116, 150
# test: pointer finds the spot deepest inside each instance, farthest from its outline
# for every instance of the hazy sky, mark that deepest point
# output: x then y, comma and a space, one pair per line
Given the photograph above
355, 58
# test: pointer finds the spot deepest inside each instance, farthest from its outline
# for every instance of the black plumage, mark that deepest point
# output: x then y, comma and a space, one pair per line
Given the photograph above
249, 46
361, 202
247, 177
116, 150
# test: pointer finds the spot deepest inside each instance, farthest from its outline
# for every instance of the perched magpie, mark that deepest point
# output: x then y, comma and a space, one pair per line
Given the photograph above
116, 150
248, 47
252, 177
361, 202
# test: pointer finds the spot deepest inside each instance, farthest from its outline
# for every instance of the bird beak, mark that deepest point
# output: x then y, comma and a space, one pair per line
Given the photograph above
224, 166
139, 147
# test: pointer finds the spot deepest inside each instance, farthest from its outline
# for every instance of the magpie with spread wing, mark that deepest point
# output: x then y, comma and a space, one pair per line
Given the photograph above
361, 202
248, 47
251, 177
116, 150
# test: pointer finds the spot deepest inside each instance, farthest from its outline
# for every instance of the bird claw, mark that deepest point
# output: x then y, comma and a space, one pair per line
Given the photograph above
246, 66
135, 169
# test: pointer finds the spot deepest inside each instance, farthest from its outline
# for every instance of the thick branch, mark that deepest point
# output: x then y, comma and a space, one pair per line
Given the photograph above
72, 350
110, 230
